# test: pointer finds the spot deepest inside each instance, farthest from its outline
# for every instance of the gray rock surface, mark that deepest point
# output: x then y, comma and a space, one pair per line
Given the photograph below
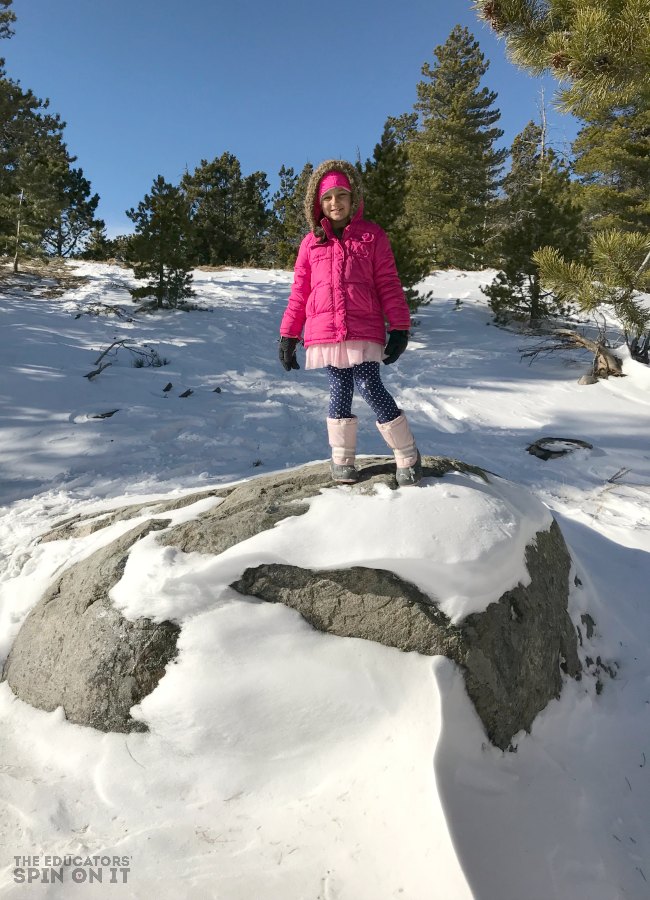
76, 650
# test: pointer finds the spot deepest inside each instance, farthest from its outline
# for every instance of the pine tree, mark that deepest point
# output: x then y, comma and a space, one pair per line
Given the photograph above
455, 168
385, 176
211, 191
75, 218
7, 18
228, 212
288, 224
538, 209
612, 158
599, 48
617, 276
121, 246
385, 184
98, 246
602, 51
33, 158
45, 204
160, 248
252, 218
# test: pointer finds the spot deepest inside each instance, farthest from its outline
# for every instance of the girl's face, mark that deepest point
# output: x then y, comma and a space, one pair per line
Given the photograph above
336, 205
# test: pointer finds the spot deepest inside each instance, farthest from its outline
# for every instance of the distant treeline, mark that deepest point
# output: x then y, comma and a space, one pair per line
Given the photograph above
439, 182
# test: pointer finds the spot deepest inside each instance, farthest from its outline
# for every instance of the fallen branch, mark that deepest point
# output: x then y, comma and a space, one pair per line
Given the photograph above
104, 310
104, 415
108, 350
617, 476
97, 371
605, 362
146, 356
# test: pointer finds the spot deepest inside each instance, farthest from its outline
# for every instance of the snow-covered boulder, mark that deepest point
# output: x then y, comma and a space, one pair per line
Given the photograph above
466, 565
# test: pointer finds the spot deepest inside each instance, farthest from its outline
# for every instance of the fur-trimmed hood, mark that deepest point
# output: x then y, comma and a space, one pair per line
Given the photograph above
313, 212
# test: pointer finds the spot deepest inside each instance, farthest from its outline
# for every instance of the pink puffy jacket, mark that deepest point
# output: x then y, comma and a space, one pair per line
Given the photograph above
347, 289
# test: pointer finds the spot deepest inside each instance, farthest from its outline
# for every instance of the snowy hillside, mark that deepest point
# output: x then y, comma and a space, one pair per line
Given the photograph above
283, 763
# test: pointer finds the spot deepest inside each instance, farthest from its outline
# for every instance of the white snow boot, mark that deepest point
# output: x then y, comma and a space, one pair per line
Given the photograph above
342, 434
399, 438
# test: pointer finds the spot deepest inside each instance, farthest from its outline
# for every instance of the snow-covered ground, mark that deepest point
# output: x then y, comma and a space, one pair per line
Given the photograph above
282, 763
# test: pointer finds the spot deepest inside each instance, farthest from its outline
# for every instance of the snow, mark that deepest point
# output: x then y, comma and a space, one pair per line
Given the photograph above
281, 762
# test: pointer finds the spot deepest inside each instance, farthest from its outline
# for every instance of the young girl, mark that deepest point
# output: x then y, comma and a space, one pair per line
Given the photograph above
345, 289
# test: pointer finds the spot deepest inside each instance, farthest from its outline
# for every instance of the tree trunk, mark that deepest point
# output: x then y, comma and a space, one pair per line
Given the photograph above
535, 294
59, 239
160, 293
18, 223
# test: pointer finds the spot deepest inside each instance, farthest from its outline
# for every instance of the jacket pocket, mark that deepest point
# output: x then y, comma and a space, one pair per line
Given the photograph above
320, 301
358, 262
320, 260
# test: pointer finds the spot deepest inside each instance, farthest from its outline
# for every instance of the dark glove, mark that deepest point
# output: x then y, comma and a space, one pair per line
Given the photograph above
397, 343
288, 353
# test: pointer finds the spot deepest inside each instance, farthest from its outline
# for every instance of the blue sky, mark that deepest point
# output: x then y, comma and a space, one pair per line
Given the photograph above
151, 87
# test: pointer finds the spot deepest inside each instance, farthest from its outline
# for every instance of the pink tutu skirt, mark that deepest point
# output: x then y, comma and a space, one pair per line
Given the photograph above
343, 355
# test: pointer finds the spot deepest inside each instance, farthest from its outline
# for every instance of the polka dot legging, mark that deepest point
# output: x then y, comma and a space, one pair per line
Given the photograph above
368, 381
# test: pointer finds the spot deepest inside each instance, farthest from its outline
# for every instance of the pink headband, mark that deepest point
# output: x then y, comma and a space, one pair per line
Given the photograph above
333, 180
